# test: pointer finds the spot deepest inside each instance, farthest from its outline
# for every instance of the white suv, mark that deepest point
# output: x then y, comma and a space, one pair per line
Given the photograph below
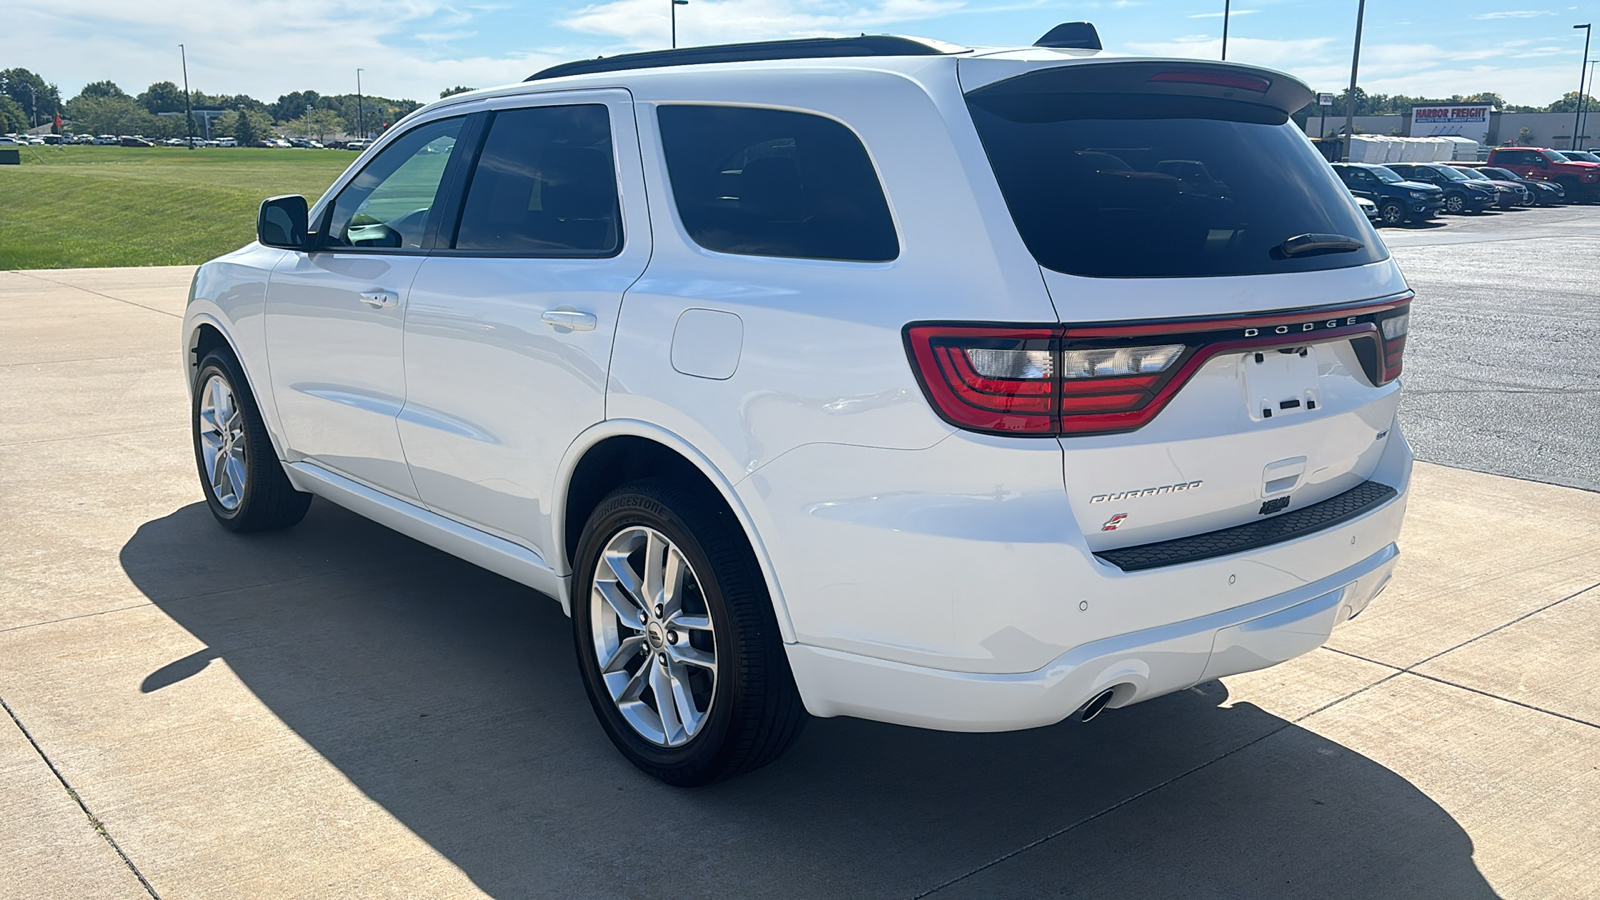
869, 376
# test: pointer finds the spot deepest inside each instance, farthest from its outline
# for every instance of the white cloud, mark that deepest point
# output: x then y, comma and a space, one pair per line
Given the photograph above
262, 49
1514, 14
1217, 15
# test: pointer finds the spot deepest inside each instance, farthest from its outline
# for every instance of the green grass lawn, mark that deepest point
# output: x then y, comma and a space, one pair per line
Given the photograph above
68, 207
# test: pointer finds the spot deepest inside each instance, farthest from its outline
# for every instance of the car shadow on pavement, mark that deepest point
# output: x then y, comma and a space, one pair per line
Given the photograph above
449, 696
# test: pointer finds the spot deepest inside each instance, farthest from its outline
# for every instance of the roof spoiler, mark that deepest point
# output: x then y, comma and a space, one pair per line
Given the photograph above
1071, 36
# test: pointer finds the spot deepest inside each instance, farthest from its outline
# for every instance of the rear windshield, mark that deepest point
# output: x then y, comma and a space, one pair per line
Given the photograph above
1138, 185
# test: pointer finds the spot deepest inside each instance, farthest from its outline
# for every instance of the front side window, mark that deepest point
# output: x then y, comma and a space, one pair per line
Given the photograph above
545, 185
389, 204
1138, 184
766, 182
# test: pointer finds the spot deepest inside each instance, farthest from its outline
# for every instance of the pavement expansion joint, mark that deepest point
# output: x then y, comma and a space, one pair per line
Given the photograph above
94, 821
32, 274
90, 615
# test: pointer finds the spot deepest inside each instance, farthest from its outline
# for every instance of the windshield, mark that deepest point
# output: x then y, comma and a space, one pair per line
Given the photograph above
1553, 156
1453, 174
1502, 174
1160, 185
1386, 175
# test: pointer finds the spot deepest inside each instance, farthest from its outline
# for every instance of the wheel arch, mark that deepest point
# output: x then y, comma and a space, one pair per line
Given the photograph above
618, 451
205, 333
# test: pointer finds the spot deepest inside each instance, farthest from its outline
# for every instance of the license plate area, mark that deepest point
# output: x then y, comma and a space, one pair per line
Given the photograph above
1280, 382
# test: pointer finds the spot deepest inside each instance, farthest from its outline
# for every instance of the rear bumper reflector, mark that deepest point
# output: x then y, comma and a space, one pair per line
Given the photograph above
1358, 501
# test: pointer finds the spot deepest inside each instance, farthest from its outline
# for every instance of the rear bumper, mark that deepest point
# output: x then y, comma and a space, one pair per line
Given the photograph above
1136, 666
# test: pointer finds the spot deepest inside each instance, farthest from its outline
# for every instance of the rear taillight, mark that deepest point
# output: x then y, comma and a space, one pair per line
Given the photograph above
1393, 327
988, 378
1102, 379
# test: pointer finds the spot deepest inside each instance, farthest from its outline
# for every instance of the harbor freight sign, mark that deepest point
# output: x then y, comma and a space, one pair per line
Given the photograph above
1463, 121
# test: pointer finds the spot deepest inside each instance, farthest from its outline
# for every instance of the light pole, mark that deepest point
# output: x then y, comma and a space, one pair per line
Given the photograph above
188, 111
1226, 8
1583, 72
1583, 97
361, 131
34, 122
1350, 98
675, 5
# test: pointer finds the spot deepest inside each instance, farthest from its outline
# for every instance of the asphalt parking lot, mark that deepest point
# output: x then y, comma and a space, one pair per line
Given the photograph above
338, 711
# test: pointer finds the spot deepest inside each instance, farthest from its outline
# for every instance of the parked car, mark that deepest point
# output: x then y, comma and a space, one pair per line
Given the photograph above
1580, 179
227, 142
135, 142
1579, 155
1509, 194
1462, 193
54, 140
1543, 193
106, 140
774, 388
1397, 199
1369, 208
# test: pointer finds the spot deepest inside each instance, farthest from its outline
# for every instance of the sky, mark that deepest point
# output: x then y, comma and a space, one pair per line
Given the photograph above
1525, 51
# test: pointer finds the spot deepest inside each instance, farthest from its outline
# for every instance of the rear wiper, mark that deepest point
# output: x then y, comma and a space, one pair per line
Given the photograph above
1316, 244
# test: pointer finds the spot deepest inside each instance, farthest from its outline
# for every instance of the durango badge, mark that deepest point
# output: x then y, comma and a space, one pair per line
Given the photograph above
1146, 492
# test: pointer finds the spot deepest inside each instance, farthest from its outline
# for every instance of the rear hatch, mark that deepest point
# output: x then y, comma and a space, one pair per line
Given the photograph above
1230, 325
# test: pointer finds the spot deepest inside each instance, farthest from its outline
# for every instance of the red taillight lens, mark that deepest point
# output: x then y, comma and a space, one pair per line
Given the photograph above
1394, 328
1021, 381
1214, 78
1103, 379
999, 380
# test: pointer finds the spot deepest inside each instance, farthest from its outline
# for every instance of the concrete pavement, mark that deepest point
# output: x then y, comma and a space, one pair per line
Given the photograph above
337, 711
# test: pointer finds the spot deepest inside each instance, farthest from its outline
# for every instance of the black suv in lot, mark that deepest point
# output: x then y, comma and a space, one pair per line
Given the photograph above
1462, 192
1398, 200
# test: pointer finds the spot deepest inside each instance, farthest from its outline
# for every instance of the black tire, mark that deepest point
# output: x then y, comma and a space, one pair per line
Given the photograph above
268, 501
1391, 213
754, 713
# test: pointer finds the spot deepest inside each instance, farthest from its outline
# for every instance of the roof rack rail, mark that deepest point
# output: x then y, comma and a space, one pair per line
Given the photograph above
804, 48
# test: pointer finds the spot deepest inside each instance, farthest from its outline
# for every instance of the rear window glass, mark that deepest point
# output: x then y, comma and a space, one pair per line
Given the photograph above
1160, 185
545, 185
767, 182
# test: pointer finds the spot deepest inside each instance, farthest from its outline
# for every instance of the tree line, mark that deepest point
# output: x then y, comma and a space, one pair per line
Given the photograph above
103, 107
1400, 104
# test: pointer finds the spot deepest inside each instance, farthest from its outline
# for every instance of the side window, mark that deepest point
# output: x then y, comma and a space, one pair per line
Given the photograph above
545, 185
388, 204
765, 182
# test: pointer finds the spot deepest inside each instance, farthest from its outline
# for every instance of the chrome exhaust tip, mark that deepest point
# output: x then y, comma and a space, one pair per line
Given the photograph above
1094, 706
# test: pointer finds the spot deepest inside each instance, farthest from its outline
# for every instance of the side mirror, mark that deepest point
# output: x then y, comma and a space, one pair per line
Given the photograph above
283, 222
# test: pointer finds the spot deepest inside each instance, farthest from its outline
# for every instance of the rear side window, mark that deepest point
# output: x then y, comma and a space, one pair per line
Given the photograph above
544, 185
1139, 185
766, 182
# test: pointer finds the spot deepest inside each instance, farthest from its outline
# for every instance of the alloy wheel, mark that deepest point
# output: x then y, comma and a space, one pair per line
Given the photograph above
653, 636
222, 442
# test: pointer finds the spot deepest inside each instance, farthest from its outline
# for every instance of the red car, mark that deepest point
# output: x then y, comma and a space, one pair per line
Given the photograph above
1580, 179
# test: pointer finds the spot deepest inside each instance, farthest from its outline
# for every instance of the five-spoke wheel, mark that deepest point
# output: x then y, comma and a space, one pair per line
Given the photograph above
677, 640
653, 637
243, 480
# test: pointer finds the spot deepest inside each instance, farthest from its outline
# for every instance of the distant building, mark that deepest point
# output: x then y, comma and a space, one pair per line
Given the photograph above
1545, 129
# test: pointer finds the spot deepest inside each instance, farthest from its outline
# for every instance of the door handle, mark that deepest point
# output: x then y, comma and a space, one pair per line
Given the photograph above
569, 318
380, 299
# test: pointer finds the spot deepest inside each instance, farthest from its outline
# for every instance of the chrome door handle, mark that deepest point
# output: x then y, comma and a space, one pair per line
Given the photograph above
569, 318
380, 299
